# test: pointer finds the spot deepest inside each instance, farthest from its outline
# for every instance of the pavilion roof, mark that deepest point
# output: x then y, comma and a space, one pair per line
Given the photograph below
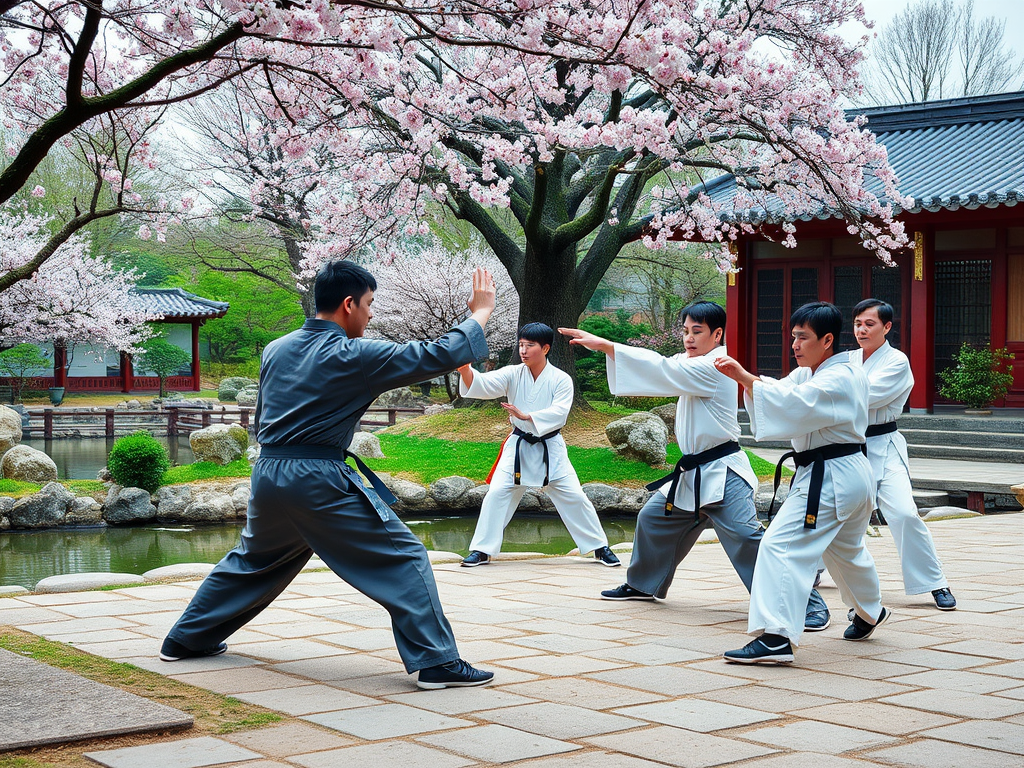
956, 153
175, 303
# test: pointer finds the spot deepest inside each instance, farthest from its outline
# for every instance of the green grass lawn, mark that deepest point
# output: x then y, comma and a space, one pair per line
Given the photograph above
18, 489
425, 459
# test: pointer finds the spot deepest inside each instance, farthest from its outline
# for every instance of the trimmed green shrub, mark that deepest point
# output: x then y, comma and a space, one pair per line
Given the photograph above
138, 460
978, 376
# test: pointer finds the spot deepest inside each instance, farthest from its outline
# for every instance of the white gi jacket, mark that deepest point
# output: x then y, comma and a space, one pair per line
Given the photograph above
547, 400
830, 406
705, 413
889, 383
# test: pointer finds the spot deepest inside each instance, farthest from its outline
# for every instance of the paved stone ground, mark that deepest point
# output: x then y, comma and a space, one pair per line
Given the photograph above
581, 681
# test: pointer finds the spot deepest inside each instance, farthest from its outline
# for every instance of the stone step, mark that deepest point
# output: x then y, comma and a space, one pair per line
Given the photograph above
954, 424
930, 499
968, 453
917, 436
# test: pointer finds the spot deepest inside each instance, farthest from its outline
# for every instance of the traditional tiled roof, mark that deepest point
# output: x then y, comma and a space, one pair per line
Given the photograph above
176, 303
947, 154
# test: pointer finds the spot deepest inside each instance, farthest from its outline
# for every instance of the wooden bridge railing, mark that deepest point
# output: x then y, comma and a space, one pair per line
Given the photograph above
108, 422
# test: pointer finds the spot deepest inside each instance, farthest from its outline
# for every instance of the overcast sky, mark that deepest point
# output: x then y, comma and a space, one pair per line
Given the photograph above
881, 11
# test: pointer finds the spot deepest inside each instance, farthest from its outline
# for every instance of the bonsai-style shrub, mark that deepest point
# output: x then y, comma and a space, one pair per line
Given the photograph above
20, 364
164, 359
978, 376
138, 460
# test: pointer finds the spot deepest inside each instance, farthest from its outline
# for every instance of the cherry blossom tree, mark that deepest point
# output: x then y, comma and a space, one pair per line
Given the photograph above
421, 294
74, 299
610, 138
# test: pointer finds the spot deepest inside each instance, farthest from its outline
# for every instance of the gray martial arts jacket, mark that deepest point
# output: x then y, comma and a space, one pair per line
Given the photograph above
316, 382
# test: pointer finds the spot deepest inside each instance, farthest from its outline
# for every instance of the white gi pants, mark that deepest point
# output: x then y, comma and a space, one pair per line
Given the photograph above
788, 560
566, 493
922, 570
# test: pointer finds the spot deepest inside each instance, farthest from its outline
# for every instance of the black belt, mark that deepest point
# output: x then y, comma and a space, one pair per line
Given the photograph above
685, 464
532, 439
328, 453
815, 458
875, 430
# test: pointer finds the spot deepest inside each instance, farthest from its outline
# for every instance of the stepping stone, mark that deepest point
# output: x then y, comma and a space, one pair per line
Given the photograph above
45, 705
944, 513
12, 589
187, 753
80, 582
181, 571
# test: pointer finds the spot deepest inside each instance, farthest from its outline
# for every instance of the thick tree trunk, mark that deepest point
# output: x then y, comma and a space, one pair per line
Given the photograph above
550, 295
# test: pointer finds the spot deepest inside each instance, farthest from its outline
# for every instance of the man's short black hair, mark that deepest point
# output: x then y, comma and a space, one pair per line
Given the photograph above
538, 332
822, 318
885, 310
337, 280
706, 313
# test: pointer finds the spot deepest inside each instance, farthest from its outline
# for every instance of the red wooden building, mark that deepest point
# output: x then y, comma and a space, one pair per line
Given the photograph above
98, 370
962, 160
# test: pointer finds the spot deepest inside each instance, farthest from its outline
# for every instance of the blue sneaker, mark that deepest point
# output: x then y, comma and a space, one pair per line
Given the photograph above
454, 674
817, 617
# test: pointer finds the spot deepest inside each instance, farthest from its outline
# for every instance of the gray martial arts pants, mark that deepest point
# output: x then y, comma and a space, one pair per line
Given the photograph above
301, 506
662, 541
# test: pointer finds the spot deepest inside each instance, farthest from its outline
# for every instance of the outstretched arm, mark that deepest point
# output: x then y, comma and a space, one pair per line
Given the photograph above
589, 341
731, 368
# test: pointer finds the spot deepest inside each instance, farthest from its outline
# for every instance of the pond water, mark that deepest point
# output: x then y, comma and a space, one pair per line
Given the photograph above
81, 458
27, 557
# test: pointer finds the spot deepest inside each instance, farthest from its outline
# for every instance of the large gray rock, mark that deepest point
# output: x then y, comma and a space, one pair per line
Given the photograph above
247, 397
603, 497
642, 436
84, 510
171, 501
128, 505
410, 494
179, 572
252, 453
474, 497
27, 464
240, 499
42, 510
10, 428
450, 492
402, 397
229, 388
219, 443
209, 507
366, 445
6, 504
667, 413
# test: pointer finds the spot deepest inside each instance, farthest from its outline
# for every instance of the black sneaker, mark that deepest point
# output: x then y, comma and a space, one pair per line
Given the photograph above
817, 617
475, 558
775, 650
944, 599
605, 556
454, 674
172, 650
861, 630
625, 592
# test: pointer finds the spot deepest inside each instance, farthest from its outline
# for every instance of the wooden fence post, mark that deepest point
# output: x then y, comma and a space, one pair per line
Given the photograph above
243, 417
172, 421
48, 423
205, 419
109, 422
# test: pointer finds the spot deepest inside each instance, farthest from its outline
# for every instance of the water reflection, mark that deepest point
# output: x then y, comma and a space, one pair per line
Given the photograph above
27, 557
80, 458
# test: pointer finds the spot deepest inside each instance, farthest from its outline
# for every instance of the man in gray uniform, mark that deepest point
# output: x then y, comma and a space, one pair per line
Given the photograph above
315, 384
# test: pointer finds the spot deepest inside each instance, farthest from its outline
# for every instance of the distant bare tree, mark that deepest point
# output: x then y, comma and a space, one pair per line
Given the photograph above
936, 49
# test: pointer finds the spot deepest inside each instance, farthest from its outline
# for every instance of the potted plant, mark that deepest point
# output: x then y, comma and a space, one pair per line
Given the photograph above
978, 377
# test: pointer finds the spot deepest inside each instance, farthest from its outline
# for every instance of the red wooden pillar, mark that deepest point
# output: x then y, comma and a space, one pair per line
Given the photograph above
60, 366
919, 319
737, 307
195, 356
127, 374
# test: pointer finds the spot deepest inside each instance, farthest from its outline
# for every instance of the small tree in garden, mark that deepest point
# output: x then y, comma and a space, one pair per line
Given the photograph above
978, 376
164, 359
19, 363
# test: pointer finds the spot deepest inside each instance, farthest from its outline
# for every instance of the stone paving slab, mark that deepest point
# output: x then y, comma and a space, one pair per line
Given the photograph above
41, 705
584, 682
187, 753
